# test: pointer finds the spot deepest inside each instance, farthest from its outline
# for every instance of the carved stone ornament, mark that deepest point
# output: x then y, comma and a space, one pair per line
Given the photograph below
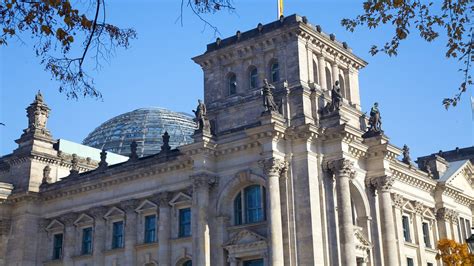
133, 151
383, 183
342, 167
74, 165
68, 218
98, 212
447, 215
419, 208
273, 166
46, 175
203, 181
103, 159
163, 198
129, 205
406, 155
398, 200
166, 143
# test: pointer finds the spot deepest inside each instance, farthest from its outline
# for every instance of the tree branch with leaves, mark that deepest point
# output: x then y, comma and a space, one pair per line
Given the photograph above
451, 18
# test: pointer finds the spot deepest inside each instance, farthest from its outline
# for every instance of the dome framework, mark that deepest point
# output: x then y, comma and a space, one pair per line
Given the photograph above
145, 126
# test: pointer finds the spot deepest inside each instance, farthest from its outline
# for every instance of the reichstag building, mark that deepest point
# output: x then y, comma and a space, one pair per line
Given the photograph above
278, 165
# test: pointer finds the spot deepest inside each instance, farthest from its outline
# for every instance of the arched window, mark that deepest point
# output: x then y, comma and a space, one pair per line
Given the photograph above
328, 79
342, 86
232, 83
188, 263
252, 198
315, 72
253, 78
275, 72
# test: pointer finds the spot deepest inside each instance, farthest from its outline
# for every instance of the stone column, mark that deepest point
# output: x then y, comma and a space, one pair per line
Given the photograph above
398, 202
200, 221
272, 168
419, 208
335, 73
164, 229
99, 234
383, 185
342, 169
69, 238
130, 230
444, 219
322, 72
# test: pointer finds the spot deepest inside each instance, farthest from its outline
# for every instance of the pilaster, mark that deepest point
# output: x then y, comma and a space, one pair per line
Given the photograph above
419, 239
99, 238
164, 229
69, 237
398, 202
129, 207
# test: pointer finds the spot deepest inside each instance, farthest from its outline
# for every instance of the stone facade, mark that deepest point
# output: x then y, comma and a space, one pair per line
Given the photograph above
293, 187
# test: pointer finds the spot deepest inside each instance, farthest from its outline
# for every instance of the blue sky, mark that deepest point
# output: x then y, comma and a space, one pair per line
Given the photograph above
158, 71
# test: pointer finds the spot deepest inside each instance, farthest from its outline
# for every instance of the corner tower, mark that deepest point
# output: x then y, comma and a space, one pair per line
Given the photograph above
299, 59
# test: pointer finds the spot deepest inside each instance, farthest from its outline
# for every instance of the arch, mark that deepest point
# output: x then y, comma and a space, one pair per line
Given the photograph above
328, 79
360, 200
182, 261
274, 70
231, 82
226, 196
342, 85
252, 74
249, 205
315, 72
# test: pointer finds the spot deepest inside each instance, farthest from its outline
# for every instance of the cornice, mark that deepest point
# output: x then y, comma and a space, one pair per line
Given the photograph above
417, 181
98, 180
456, 194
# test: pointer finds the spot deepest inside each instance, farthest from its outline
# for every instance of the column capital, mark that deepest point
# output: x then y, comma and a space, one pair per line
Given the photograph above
383, 183
232, 259
68, 218
163, 198
98, 212
273, 166
398, 200
341, 167
205, 180
129, 205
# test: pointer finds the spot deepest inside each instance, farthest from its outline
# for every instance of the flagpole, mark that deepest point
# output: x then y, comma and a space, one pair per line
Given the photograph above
280, 8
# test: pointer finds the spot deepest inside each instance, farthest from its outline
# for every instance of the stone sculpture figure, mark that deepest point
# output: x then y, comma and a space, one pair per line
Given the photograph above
201, 117
406, 154
46, 174
375, 120
269, 104
166, 142
336, 96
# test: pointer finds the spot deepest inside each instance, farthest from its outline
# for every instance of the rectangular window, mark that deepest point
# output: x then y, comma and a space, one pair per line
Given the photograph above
57, 246
86, 241
184, 222
429, 264
426, 235
150, 229
406, 228
117, 235
410, 262
462, 237
258, 262
468, 229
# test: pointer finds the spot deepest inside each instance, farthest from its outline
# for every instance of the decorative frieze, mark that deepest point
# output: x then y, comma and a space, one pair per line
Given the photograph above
418, 207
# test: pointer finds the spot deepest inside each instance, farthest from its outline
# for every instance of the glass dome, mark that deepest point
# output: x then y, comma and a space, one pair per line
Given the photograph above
145, 126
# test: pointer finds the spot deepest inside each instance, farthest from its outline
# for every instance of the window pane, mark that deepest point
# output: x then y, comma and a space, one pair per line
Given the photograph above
275, 72
188, 263
185, 222
238, 209
117, 235
315, 72
232, 84
150, 229
57, 246
253, 78
258, 262
426, 235
253, 204
406, 228
410, 262
87, 240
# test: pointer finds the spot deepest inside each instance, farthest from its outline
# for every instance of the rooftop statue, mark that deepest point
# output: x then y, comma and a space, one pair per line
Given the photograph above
406, 155
336, 100
269, 104
201, 117
375, 122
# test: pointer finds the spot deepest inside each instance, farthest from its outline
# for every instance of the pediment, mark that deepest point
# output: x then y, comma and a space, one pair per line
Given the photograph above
245, 237
361, 240
180, 198
408, 207
146, 205
114, 212
83, 219
429, 214
55, 225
